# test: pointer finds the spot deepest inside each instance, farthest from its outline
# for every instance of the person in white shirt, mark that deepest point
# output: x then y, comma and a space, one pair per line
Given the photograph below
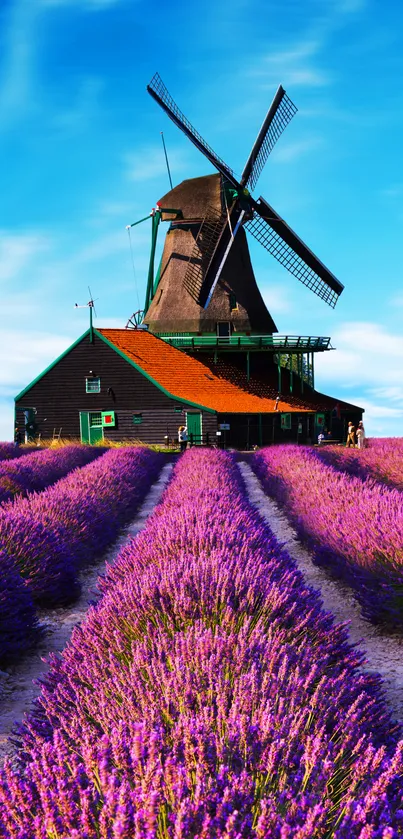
182, 437
361, 435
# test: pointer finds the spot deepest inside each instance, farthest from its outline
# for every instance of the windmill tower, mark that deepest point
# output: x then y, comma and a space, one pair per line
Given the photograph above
206, 275
204, 297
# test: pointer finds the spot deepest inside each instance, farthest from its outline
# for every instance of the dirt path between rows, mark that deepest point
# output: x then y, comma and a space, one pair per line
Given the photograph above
384, 653
17, 690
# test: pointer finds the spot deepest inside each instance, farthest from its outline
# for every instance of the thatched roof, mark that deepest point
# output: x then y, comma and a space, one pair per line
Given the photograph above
173, 309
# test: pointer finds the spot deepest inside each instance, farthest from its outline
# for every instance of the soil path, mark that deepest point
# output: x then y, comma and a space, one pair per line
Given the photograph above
384, 653
17, 690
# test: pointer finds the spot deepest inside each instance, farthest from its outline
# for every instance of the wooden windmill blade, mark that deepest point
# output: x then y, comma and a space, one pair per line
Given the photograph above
280, 240
280, 113
159, 92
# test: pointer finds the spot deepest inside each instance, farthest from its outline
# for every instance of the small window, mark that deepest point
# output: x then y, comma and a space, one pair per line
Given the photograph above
178, 409
233, 304
93, 384
137, 419
96, 420
286, 421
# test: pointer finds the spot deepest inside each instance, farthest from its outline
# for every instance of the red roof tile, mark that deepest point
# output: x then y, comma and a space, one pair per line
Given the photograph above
187, 378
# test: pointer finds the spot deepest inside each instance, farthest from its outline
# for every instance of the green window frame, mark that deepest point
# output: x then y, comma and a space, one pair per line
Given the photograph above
286, 421
93, 384
108, 419
137, 419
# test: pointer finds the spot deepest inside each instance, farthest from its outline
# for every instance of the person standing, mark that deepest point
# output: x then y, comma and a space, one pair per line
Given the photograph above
361, 435
182, 437
351, 435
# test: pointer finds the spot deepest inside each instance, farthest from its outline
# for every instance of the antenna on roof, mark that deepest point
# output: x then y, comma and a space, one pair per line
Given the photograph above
90, 305
166, 159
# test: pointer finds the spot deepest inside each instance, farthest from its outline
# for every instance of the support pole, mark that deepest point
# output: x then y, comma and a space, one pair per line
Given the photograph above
155, 220
313, 371
279, 372
291, 371
247, 366
302, 372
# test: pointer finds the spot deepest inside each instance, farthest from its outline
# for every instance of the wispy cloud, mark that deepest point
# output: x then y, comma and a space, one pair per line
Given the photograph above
295, 66
364, 370
19, 65
32, 352
149, 163
18, 251
292, 151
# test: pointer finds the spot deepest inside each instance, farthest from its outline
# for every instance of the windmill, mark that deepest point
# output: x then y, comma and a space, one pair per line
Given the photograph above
218, 227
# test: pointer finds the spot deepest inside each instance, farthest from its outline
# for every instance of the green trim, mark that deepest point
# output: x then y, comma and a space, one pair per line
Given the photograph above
150, 378
50, 367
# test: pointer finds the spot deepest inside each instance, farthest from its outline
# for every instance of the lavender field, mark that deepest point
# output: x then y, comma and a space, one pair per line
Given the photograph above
47, 537
207, 693
382, 460
353, 526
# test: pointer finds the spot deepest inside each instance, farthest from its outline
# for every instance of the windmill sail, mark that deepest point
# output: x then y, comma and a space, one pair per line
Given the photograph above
277, 237
159, 92
280, 113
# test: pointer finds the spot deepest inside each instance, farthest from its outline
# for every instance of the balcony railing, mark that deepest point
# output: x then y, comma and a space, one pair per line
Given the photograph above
273, 343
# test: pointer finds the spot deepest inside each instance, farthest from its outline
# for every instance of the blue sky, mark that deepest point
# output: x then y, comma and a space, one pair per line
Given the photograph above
81, 157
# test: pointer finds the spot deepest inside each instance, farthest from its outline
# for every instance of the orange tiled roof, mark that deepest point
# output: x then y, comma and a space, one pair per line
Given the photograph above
185, 377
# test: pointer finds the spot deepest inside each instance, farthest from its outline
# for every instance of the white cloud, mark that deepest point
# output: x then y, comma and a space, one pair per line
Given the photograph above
17, 251
294, 66
149, 163
367, 355
292, 151
277, 299
19, 61
367, 370
25, 354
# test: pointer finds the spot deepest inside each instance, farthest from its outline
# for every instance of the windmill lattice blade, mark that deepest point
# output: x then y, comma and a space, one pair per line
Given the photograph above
203, 250
277, 237
280, 113
159, 92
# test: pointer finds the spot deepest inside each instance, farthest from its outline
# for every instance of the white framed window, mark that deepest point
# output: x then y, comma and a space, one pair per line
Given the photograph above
93, 384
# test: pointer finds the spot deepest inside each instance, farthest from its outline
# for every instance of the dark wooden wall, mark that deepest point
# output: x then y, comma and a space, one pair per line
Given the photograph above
60, 396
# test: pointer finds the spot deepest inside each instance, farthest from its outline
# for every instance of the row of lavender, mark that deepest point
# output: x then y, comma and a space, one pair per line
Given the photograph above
41, 469
207, 694
46, 538
354, 527
9, 451
382, 460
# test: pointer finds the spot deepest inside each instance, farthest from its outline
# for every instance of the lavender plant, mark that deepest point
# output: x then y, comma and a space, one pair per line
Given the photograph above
41, 469
207, 694
381, 460
45, 539
8, 451
354, 528
18, 621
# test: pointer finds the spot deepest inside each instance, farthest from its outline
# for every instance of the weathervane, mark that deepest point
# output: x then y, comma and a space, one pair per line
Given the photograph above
90, 305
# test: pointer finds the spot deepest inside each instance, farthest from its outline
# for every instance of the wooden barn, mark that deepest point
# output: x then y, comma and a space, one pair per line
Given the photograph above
128, 383
205, 351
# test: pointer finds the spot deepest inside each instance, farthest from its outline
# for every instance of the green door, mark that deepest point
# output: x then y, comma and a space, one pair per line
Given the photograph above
194, 427
91, 427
